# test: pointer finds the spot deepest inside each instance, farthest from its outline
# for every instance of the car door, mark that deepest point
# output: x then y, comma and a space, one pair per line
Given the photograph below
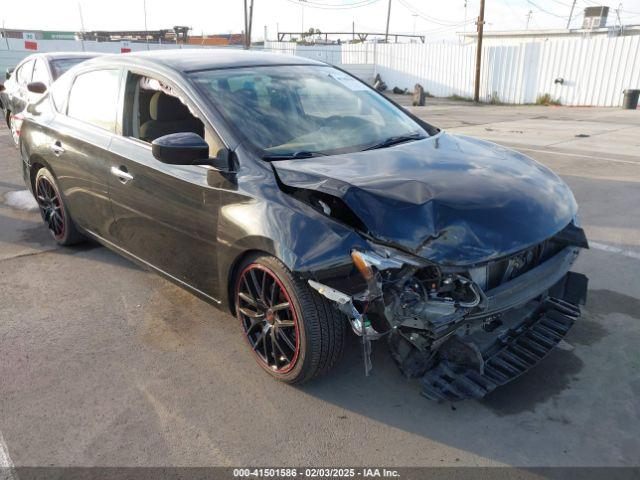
79, 141
165, 215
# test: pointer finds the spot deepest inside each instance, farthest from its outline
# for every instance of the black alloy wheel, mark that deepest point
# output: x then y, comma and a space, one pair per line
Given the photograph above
50, 205
268, 318
294, 333
53, 210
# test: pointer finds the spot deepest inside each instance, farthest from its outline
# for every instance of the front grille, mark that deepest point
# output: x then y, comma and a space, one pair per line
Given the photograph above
500, 271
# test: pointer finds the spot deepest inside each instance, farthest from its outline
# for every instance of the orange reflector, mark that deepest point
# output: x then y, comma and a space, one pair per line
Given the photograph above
363, 267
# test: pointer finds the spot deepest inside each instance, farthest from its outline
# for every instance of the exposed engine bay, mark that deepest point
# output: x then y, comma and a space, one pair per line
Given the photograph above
465, 331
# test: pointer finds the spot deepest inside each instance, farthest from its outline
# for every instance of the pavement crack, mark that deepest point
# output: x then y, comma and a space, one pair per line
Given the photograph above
30, 254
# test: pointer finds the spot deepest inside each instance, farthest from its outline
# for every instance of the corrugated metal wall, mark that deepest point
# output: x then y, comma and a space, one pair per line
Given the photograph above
595, 71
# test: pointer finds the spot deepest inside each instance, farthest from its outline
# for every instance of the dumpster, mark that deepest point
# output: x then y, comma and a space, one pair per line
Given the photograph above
630, 101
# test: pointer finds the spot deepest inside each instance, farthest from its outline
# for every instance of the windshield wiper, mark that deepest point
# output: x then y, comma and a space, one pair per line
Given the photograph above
388, 142
292, 155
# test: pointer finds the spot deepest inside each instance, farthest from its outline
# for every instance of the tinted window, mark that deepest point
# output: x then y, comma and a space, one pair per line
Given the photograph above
94, 98
61, 65
40, 72
24, 73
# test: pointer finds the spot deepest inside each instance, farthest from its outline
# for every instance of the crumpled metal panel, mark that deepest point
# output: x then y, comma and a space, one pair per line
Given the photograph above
452, 199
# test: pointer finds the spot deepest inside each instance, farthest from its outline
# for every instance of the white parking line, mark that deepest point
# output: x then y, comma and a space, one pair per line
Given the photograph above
5, 459
566, 154
7, 471
612, 249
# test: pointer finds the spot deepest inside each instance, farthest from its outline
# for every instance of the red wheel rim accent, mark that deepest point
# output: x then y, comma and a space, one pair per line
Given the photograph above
269, 320
50, 205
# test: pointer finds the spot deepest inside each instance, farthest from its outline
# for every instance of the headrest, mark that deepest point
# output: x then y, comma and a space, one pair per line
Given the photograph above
166, 108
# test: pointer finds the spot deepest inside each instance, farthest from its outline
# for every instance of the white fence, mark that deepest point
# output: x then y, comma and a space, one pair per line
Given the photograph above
12, 50
580, 71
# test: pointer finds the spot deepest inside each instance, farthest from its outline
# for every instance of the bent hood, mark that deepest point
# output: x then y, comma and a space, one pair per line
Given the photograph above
452, 199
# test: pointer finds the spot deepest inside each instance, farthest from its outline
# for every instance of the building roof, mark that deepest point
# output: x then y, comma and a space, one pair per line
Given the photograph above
626, 29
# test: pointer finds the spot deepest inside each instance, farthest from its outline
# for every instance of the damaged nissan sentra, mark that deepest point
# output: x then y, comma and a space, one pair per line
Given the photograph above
305, 202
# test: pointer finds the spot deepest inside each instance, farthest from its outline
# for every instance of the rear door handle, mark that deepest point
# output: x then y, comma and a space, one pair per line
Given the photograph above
57, 149
122, 174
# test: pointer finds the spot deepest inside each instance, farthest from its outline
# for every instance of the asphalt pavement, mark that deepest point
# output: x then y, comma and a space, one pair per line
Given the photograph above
104, 363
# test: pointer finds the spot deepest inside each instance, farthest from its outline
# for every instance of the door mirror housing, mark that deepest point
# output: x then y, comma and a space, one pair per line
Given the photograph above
185, 148
36, 87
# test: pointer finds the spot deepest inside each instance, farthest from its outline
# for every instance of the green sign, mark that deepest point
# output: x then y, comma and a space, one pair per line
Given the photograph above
59, 35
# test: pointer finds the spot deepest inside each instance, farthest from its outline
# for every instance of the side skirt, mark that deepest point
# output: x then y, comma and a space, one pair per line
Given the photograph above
134, 258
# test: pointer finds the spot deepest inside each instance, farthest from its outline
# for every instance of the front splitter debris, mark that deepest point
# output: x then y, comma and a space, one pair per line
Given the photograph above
518, 352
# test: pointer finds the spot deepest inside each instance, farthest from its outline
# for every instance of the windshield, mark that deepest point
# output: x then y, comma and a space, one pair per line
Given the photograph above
304, 111
61, 65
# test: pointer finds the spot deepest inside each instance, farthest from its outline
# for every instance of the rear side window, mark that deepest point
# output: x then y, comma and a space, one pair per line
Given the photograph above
94, 98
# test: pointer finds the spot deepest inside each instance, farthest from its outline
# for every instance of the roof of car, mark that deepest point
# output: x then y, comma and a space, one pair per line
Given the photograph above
187, 60
58, 55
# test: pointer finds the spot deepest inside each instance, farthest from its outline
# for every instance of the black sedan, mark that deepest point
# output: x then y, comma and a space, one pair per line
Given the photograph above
39, 71
304, 202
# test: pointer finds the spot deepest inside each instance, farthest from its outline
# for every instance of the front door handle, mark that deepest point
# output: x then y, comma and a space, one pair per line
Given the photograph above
56, 148
122, 174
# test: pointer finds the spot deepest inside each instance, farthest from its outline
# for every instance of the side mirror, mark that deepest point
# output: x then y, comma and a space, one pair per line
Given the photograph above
8, 73
186, 148
36, 87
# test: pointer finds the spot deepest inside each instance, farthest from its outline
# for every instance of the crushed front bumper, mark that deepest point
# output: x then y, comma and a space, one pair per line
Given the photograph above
515, 350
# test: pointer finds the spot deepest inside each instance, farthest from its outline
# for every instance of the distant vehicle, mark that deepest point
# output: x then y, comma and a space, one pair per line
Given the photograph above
301, 200
40, 71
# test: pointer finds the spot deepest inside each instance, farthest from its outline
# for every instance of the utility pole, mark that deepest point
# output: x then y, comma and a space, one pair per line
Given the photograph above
529, 18
386, 34
248, 19
476, 92
81, 24
250, 24
146, 31
573, 5
246, 24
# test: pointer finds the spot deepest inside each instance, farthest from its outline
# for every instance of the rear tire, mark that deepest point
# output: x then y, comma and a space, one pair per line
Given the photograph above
294, 332
53, 210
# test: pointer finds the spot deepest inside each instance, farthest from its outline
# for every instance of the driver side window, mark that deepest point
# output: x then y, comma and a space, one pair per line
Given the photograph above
152, 110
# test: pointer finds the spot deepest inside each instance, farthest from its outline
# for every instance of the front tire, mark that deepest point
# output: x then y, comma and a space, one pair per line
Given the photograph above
294, 332
53, 210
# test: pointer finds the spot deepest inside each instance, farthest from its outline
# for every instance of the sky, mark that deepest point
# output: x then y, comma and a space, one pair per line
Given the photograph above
439, 20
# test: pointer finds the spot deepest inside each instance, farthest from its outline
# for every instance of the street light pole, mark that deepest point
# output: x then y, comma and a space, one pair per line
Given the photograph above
476, 92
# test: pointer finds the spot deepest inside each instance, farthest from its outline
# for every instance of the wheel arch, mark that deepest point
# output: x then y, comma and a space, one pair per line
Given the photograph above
36, 163
234, 270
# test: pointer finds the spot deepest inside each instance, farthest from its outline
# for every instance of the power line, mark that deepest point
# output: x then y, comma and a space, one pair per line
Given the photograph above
424, 16
324, 6
564, 17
